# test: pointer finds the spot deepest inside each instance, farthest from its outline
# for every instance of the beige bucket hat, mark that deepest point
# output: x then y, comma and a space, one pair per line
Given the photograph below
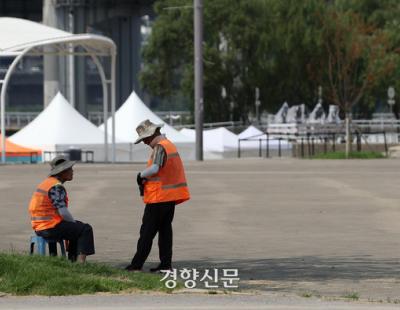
146, 129
59, 164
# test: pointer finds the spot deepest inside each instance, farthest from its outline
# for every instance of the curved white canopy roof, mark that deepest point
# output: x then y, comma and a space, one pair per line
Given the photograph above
18, 34
20, 37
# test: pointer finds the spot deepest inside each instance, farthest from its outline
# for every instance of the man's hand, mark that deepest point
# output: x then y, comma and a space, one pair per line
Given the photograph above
139, 179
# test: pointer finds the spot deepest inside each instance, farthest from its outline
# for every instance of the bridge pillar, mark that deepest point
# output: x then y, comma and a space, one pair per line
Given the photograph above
50, 63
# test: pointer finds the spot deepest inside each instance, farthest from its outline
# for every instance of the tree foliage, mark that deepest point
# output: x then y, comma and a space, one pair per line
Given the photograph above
357, 57
285, 48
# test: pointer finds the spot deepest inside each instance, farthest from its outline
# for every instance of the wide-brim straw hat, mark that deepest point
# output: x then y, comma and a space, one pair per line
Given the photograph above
59, 164
146, 129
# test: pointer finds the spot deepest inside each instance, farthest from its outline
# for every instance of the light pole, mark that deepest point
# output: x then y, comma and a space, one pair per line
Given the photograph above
320, 94
258, 103
198, 76
391, 93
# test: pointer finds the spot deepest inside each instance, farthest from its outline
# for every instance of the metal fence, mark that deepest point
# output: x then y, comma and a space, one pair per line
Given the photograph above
17, 120
88, 155
314, 143
228, 124
308, 144
173, 118
263, 150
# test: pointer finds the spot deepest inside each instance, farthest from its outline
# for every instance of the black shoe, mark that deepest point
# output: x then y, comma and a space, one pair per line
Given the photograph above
132, 268
160, 268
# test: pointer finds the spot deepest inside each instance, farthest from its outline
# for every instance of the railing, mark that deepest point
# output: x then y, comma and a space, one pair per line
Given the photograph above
170, 117
23, 157
212, 125
309, 139
174, 118
17, 120
268, 149
49, 155
311, 143
314, 143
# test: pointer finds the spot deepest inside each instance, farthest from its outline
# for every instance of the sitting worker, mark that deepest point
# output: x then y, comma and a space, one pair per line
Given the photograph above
50, 216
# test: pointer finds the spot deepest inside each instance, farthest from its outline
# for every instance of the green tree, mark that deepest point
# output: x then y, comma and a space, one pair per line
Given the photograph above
231, 38
247, 44
284, 48
357, 57
383, 15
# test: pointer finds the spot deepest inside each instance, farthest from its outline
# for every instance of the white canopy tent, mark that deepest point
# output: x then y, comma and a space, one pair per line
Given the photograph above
252, 136
250, 132
215, 140
128, 117
20, 37
58, 124
134, 111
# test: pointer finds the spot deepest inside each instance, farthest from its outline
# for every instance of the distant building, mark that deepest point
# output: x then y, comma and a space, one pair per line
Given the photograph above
124, 21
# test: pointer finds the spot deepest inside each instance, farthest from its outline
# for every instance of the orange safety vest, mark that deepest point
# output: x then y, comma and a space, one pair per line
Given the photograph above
169, 184
43, 214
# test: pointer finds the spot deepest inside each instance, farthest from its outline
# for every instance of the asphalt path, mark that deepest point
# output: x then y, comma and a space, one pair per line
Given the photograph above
319, 228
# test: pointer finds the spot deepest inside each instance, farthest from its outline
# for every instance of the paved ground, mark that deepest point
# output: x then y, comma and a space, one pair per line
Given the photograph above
300, 227
266, 301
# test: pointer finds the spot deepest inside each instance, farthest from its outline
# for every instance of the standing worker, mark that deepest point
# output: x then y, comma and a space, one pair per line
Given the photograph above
162, 185
50, 216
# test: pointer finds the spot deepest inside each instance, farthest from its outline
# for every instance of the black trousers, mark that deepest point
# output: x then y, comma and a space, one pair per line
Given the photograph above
79, 235
157, 217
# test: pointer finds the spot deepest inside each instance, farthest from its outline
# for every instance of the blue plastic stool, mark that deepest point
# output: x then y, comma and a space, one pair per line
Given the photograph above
40, 242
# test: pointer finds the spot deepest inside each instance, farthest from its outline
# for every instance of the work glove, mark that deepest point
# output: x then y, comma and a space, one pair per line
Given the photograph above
140, 181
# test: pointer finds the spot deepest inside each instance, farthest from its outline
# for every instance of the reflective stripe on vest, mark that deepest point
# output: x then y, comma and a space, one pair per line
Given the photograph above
169, 184
173, 155
173, 186
153, 179
43, 214
40, 218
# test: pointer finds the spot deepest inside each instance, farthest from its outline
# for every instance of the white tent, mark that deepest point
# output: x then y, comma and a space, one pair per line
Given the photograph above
215, 140
60, 127
250, 132
20, 37
254, 134
134, 111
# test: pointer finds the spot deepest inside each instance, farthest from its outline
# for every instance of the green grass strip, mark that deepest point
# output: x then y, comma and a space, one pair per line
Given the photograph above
352, 155
56, 276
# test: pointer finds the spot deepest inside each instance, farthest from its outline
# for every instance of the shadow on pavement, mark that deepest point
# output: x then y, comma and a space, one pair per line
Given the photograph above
307, 268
